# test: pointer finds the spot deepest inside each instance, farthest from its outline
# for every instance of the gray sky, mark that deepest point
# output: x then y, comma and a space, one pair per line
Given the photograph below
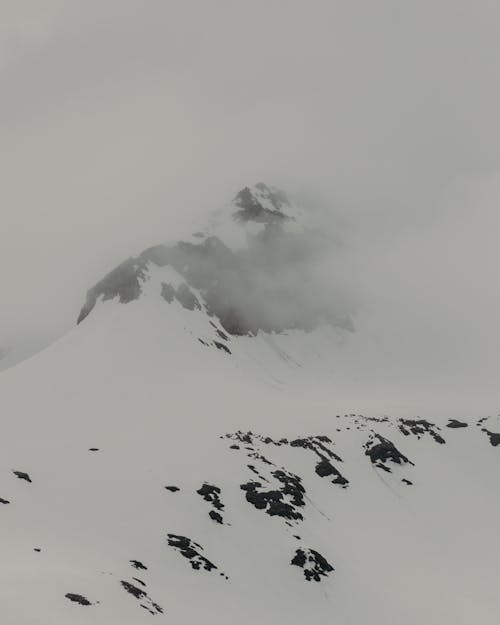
121, 120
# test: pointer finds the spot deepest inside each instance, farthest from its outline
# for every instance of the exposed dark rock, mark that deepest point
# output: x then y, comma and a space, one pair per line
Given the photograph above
123, 282
94, 449
317, 444
223, 347
453, 423
139, 581
383, 452
22, 476
172, 489
419, 427
80, 599
325, 468
4, 501
137, 564
211, 493
252, 210
313, 564
183, 294
190, 550
37, 549
407, 482
138, 593
215, 516
493, 436
281, 502
141, 595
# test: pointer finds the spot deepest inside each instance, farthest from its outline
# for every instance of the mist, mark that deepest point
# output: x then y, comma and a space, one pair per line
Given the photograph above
124, 122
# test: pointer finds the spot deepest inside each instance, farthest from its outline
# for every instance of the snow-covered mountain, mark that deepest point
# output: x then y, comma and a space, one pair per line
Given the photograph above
182, 455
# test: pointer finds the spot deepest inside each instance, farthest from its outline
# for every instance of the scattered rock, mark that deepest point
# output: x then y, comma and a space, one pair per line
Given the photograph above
172, 489
419, 427
325, 468
224, 348
80, 599
22, 475
211, 493
313, 564
141, 595
383, 452
190, 550
137, 564
281, 502
453, 423
493, 436
215, 516
4, 501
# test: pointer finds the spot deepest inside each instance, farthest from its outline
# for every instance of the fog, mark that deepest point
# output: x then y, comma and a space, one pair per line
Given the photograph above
122, 122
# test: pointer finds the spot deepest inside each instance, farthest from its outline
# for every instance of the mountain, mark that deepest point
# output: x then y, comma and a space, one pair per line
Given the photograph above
183, 455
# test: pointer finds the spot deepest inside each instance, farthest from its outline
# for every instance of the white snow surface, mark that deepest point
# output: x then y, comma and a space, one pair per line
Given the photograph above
135, 382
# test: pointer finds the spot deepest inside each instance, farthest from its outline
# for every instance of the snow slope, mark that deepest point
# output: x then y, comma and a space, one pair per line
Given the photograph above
387, 519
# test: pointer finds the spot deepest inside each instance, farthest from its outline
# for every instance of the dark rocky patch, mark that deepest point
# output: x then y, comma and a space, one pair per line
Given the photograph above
22, 476
141, 595
419, 427
94, 449
317, 444
375, 419
183, 294
383, 452
137, 564
139, 581
312, 563
234, 447
191, 551
242, 437
123, 282
215, 516
138, 593
37, 549
325, 468
407, 482
4, 501
493, 436
453, 423
250, 209
211, 493
254, 470
260, 457
172, 489
80, 599
223, 347
283, 502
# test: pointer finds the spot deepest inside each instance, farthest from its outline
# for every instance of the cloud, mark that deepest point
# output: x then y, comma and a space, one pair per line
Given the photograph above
122, 120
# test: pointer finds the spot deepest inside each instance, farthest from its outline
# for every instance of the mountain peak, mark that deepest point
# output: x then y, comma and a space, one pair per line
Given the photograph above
261, 203
252, 269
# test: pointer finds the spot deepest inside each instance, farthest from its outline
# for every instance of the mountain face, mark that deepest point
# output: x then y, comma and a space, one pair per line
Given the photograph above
183, 458
252, 269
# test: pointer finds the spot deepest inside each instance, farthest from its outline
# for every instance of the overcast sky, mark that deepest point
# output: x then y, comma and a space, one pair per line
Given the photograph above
122, 120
